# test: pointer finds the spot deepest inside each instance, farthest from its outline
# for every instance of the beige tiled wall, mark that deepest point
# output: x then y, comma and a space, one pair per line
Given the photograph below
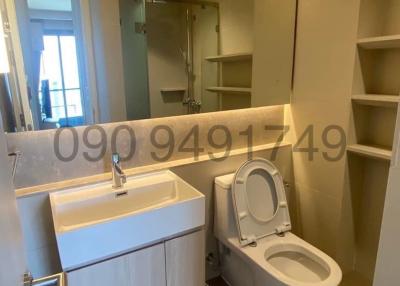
237, 25
325, 56
39, 164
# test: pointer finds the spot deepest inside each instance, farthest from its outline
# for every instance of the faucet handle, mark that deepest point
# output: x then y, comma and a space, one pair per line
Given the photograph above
115, 158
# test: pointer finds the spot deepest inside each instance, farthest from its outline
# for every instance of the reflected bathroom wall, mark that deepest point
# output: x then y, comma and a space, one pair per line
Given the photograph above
134, 52
7, 115
51, 61
179, 38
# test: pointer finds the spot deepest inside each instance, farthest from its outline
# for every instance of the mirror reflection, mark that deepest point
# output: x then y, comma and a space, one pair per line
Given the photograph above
82, 62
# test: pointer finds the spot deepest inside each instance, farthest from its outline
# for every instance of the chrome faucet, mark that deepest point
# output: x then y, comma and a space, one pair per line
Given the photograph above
118, 176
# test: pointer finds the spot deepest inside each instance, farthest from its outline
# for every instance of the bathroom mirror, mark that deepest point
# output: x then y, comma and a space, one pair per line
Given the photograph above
83, 62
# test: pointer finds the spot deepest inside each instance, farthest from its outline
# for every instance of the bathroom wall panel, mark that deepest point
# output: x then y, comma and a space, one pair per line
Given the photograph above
325, 56
40, 165
274, 41
320, 216
39, 237
106, 32
166, 36
12, 260
237, 26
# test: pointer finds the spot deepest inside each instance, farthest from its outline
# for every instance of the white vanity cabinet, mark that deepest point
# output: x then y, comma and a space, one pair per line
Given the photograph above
176, 262
143, 267
185, 260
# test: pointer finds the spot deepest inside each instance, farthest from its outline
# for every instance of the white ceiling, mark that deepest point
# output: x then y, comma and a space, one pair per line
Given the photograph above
54, 5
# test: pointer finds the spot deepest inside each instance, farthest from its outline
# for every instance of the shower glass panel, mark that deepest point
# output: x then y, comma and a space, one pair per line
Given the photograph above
134, 48
180, 36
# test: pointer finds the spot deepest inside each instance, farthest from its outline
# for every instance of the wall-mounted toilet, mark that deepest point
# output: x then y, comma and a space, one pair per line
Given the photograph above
253, 226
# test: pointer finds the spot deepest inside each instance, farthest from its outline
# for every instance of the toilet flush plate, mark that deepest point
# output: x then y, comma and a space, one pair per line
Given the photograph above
259, 200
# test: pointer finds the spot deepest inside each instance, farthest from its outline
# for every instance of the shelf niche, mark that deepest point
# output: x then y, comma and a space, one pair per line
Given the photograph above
374, 126
368, 181
235, 80
379, 18
375, 101
376, 72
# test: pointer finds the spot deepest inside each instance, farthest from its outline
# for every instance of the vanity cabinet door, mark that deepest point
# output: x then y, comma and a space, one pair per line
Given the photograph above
141, 268
185, 258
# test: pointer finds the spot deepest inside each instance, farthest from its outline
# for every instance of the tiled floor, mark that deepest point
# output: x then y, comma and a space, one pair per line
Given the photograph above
350, 279
354, 279
217, 282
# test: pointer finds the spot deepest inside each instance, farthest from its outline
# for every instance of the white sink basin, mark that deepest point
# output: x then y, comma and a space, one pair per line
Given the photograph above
95, 222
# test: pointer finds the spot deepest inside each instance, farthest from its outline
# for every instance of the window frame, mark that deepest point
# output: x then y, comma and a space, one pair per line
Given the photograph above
60, 33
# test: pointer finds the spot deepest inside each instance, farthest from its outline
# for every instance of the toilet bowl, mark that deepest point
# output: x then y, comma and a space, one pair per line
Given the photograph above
252, 221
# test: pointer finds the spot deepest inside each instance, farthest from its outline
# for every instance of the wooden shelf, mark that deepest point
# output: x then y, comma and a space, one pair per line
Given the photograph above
173, 89
377, 100
236, 90
384, 42
231, 58
371, 151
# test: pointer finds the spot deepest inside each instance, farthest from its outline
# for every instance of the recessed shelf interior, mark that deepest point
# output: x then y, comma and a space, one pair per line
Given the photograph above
376, 72
374, 126
236, 78
379, 18
368, 180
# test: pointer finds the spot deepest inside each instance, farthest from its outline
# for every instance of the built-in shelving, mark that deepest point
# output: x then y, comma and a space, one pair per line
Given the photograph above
231, 58
233, 90
371, 151
234, 85
376, 100
383, 42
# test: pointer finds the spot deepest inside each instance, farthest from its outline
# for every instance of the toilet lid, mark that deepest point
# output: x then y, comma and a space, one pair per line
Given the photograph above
259, 201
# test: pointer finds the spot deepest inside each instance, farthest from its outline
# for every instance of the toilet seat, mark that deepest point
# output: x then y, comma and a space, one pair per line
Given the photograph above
255, 195
259, 200
269, 246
